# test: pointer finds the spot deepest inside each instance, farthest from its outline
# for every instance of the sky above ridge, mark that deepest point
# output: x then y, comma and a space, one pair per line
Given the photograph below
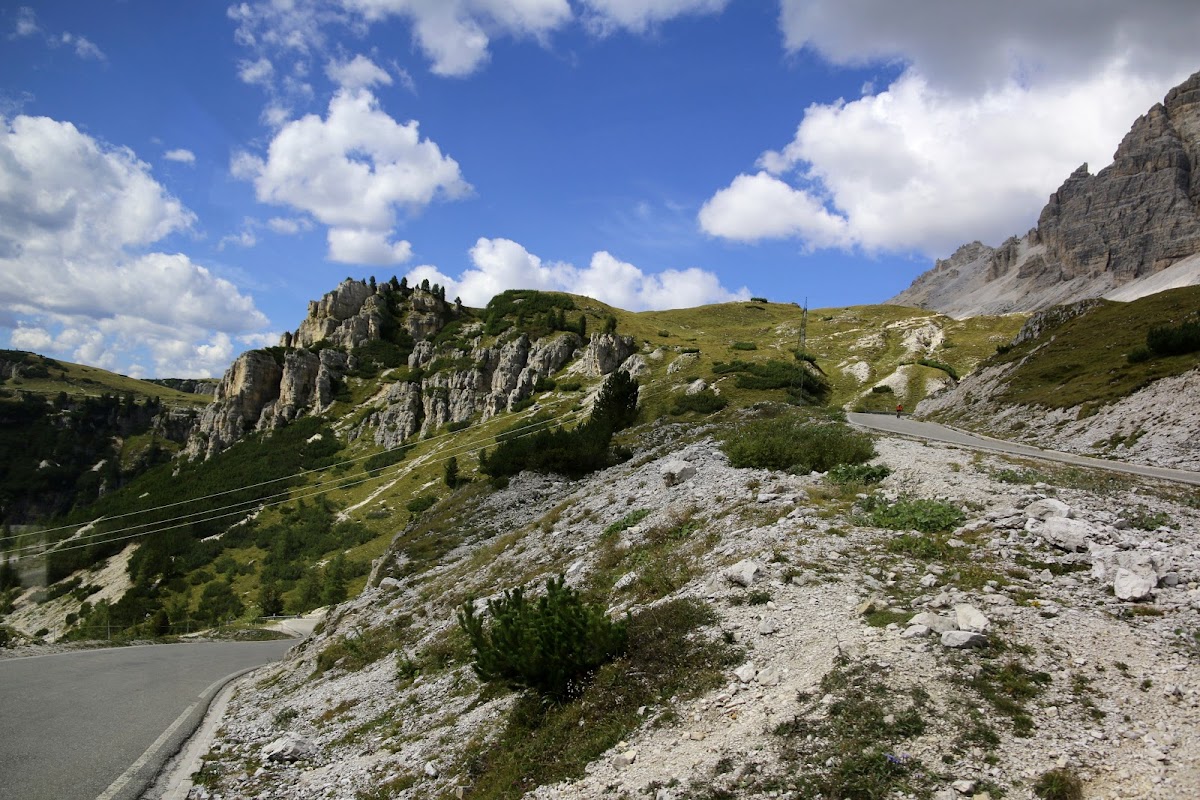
178, 180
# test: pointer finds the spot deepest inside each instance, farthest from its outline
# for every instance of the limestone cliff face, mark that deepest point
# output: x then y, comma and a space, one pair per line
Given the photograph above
499, 377
263, 390
605, 353
1098, 234
358, 312
250, 383
452, 382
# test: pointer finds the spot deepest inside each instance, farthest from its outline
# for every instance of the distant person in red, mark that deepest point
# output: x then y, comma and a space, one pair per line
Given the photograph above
899, 410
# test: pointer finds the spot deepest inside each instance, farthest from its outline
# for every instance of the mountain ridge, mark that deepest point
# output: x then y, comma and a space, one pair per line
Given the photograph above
1129, 230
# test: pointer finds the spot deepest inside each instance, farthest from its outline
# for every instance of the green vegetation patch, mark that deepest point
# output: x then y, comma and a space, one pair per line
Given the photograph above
552, 645
574, 452
862, 474
667, 659
1007, 687
365, 647
1058, 784
910, 513
855, 747
663, 560
703, 402
795, 442
800, 380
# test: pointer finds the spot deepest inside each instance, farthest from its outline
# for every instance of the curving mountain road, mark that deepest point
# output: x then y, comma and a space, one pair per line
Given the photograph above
940, 433
98, 724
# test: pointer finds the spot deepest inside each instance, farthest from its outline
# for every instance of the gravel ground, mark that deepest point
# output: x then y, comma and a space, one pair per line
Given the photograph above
1120, 706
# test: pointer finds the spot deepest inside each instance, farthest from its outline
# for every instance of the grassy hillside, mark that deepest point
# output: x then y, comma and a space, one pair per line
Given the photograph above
48, 377
1085, 360
878, 338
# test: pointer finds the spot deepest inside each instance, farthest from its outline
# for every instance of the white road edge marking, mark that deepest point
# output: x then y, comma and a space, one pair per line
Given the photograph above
127, 775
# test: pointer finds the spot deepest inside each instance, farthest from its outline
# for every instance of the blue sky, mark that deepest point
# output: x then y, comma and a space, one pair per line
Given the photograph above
177, 180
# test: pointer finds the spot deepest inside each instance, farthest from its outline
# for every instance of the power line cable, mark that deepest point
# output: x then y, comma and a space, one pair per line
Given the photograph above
531, 429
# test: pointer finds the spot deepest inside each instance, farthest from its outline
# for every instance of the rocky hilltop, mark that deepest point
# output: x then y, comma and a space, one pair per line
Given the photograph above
429, 380
1130, 230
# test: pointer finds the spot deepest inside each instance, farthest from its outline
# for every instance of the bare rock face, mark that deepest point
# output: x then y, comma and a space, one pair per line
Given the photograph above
428, 315
249, 385
337, 317
398, 418
605, 352
1097, 235
499, 378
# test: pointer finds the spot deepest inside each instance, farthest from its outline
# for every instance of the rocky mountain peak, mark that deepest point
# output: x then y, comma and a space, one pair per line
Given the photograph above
358, 312
359, 330
1098, 235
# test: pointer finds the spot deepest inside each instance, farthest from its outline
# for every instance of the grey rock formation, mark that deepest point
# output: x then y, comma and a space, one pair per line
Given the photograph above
249, 385
744, 573
675, 472
962, 640
605, 352
288, 748
499, 378
1098, 233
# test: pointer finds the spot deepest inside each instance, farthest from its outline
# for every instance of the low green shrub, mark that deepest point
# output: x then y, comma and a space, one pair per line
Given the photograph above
421, 504
795, 443
703, 402
883, 388
552, 646
911, 513
797, 380
627, 521
946, 368
1139, 355
669, 658
1165, 340
844, 474
744, 346
1058, 784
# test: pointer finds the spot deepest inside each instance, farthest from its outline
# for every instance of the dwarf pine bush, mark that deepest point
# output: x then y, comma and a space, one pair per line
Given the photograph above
551, 646
792, 443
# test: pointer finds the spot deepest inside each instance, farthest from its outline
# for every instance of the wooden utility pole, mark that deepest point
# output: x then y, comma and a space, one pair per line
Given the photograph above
804, 327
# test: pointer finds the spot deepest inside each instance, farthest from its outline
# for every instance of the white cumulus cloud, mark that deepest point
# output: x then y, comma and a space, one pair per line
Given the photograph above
454, 34
76, 220
353, 170
359, 246
641, 15
260, 71
289, 226
500, 264
359, 72
181, 155
994, 106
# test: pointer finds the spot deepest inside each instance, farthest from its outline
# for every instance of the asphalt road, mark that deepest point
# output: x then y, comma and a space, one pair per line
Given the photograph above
940, 433
96, 724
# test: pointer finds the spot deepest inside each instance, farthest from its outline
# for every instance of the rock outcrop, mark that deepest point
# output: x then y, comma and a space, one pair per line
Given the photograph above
265, 389
497, 379
1131, 229
250, 383
446, 383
